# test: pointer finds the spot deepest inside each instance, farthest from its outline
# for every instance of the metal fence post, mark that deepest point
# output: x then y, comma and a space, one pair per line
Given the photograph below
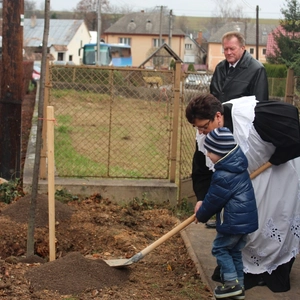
175, 125
289, 90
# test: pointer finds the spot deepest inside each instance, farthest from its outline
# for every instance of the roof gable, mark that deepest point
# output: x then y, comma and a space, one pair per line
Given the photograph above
248, 29
143, 23
271, 44
61, 32
157, 53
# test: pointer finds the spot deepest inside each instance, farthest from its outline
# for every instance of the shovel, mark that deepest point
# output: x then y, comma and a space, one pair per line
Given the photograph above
126, 262
123, 262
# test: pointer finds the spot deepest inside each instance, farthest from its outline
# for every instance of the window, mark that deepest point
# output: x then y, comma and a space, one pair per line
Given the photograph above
188, 46
156, 42
126, 41
70, 57
251, 50
264, 51
60, 56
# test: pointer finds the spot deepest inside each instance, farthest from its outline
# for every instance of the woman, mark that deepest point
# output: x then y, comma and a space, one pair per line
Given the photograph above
266, 131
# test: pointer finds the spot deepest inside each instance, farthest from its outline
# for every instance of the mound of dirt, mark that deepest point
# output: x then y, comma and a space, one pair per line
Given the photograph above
90, 274
18, 211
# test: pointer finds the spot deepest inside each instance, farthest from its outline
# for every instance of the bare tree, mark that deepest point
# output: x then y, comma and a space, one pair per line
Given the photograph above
39, 139
182, 23
122, 10
87, 9
29, 6
227, 11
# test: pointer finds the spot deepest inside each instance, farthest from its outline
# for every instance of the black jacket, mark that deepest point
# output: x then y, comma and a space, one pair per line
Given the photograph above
275, 122
248, 78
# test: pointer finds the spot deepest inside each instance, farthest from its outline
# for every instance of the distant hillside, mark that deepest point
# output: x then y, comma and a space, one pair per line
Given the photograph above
203, 23
208, 26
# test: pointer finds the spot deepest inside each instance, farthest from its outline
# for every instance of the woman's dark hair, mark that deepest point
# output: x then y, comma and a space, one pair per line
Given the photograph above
203, 107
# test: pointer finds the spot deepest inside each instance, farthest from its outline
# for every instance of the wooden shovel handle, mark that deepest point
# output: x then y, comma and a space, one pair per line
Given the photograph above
260, 170
189, 220
168, 235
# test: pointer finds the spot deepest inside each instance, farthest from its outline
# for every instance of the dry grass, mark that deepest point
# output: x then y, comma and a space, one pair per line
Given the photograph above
121, 135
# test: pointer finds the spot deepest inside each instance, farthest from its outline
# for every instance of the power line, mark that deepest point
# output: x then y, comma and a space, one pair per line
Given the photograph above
247, 4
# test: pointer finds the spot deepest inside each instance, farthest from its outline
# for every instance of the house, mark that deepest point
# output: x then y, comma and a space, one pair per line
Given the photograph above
248, 29
194, 52
145, 32
272, 44
65, 39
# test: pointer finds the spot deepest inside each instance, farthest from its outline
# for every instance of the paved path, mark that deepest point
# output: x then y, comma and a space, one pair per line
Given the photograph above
198, 240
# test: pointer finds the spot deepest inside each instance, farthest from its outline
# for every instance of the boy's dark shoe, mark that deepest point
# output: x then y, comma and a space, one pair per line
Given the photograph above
229, 289
239, 297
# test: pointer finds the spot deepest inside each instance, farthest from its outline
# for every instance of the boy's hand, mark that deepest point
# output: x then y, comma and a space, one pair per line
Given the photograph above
197, 206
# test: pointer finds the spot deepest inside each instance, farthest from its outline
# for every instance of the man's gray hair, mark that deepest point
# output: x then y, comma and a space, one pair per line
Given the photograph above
229, 35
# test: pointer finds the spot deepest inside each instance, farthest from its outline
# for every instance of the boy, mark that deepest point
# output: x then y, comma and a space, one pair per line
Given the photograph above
231, 198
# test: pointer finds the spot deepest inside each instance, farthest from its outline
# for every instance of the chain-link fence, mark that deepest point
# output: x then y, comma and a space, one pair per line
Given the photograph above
112, 122
277, 88
296, 97
193, 84
119, 123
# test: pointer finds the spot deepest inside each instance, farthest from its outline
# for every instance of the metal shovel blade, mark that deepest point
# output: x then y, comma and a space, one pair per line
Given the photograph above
115, 263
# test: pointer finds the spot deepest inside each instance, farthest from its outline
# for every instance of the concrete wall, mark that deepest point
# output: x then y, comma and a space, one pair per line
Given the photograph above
117, 190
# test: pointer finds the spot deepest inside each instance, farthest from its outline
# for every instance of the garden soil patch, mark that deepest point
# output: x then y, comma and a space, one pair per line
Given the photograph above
88, 231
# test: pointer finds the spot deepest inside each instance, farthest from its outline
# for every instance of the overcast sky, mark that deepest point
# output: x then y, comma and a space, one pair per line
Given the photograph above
268, 9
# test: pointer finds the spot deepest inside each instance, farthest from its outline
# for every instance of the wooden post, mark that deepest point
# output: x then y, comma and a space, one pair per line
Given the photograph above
175, 125
51, 185
43, 163
12, 89
289, 88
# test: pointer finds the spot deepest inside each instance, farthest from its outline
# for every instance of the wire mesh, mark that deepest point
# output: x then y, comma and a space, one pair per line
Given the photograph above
193, 84
111, 122
277, 87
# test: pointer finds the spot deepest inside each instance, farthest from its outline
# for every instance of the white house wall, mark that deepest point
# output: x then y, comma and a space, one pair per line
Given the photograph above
81, 37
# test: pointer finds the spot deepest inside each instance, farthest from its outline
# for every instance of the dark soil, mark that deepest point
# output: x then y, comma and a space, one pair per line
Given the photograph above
88, 232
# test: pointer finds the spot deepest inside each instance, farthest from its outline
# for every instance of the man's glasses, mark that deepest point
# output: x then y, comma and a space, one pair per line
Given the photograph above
204, 127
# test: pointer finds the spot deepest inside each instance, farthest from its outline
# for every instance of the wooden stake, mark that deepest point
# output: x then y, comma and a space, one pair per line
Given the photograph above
51, 187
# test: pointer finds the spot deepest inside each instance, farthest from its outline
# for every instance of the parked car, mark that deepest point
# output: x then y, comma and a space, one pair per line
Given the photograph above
197, 81
36, 73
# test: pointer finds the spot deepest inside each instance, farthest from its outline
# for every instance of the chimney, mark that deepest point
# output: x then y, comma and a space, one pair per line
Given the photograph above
199, 38
33, 21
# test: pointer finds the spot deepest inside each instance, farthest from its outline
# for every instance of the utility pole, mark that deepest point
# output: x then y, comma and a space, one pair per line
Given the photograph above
11, 89
257, 32
160, 26
98, 32
170, 28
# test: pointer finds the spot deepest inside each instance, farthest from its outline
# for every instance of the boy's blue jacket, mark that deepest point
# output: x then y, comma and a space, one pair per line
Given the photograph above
231, 196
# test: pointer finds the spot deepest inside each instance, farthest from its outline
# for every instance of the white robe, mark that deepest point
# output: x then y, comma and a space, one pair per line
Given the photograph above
277, 192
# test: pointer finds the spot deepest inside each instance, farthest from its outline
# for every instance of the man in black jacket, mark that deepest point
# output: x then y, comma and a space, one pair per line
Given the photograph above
239, 74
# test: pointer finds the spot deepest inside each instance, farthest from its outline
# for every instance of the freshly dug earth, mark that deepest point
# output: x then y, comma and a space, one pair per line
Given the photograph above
87, 232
